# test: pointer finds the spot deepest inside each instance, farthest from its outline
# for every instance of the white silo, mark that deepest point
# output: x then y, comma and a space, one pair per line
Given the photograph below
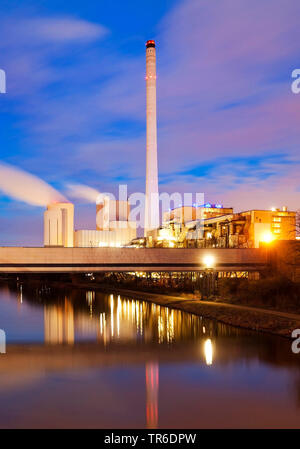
59, 225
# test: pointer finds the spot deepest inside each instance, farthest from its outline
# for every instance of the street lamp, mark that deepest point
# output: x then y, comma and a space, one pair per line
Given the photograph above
209, 263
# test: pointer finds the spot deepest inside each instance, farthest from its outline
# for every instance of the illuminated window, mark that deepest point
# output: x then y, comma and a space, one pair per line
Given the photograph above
277, 219
276, 231
276, 225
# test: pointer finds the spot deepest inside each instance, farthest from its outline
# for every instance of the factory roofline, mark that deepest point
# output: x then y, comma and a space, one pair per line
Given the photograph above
219, 217
214, 206
203, 206
265, 210
227, 216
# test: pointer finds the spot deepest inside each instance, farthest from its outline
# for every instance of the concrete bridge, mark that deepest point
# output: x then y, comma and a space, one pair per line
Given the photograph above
85, 260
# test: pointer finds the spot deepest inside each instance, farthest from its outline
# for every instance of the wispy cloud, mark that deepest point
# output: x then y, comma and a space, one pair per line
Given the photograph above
61, 29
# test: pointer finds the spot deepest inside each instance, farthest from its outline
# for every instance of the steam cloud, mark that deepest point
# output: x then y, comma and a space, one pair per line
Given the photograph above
84, 192
23, 186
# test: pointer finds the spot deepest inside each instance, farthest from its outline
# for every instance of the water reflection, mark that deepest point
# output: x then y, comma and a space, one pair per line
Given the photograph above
114, 361
208, 351
59, 323
117, 319
152, 383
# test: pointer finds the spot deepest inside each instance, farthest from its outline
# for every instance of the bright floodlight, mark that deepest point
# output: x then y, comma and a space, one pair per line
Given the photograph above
209, 261
267, 237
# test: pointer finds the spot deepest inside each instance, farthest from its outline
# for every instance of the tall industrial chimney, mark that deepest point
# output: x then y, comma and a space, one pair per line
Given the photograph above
152, 197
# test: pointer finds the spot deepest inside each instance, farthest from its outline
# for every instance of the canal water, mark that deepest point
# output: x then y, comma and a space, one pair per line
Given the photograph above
77, 358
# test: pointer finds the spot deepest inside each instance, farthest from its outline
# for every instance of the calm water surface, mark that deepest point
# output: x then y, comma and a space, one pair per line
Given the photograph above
85, 359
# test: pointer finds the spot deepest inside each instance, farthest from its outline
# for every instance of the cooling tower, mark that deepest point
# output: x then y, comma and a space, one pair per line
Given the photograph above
59, 225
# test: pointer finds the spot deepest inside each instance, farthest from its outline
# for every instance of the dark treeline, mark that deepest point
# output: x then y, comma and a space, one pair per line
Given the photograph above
275, 292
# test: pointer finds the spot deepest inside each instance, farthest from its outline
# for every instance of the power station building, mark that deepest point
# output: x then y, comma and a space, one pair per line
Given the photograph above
95, 239
112, 220
248, 229
179, 220
185, 214
59, 225
223, 228
113, 228
199, 225
215, 226
112, 214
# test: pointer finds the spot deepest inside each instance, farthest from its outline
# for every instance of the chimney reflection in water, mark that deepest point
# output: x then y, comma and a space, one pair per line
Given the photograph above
127, 319
152, 383
59, 323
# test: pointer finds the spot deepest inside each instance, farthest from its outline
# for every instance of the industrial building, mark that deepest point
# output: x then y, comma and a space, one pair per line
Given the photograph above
185, 214
113, 228
178, 221
212, 226
111, 213
114, 238
248, 229
195, 226
59, 225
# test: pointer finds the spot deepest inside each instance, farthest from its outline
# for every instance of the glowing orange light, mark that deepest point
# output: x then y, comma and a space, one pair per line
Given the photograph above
208, 351
267, 237
209, 261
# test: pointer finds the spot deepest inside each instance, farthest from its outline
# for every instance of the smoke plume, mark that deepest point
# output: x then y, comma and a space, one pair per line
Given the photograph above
81, 191
26, 187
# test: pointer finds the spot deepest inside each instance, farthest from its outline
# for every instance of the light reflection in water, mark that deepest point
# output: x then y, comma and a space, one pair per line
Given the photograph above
208, 351
113, 319
131, 319
20, 294
59, 323
90, 298
152, 383
162, 355
112, 315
